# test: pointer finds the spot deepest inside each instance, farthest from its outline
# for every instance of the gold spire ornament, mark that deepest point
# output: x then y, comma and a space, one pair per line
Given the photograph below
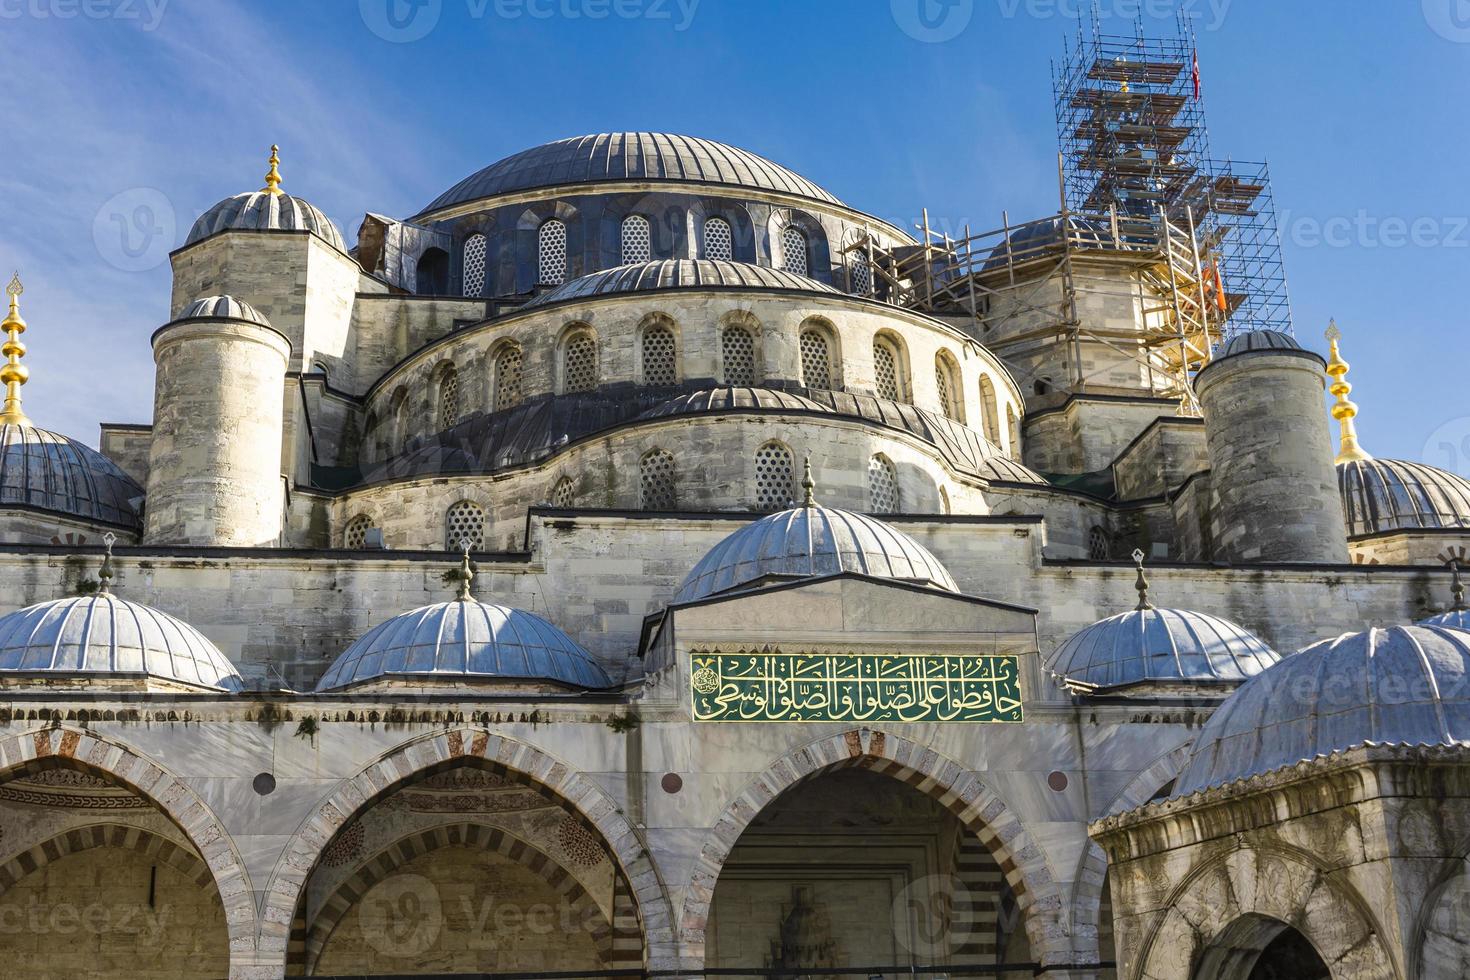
465, 574
14, 374
273, 176
1344, 411
105, 574
808, 485
1141, 583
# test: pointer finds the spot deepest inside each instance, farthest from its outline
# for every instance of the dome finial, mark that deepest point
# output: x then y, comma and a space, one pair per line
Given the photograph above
273, 176
105, 573
808, 485
466, 572
14, 374
1141, 584
1344, 411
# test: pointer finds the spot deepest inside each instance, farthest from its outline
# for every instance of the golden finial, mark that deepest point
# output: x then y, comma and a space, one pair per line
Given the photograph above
808, 485
14, 374
105, 574
1344, 411
273, 177
466, 572
1141, 583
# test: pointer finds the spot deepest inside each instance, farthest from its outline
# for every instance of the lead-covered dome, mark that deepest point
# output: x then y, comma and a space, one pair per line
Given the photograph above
809, 541
222, 308
54, 473
1407, 685
615, 157
679, 274
264, 211
101, 636
1384, 495
1160, 646
1259, 340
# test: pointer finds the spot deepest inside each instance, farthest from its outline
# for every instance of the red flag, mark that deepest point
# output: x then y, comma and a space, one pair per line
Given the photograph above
1195, 74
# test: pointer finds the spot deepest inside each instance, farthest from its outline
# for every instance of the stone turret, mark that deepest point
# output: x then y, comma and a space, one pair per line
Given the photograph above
1271, 453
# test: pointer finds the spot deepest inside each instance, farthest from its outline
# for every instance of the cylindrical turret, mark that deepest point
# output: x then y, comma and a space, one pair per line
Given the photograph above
215, 465
1271, 453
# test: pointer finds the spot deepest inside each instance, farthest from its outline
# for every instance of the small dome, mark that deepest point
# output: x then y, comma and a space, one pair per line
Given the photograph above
1043, 238
222, 307
1160, 646
50, 472
809, 541
1453, 619
1382, 495
734, 399
101, 635
466, 640
1408, 685
1259, 340
263, 211
679, 274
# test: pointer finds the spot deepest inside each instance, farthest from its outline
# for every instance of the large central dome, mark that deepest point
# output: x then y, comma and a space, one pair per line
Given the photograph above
609, 157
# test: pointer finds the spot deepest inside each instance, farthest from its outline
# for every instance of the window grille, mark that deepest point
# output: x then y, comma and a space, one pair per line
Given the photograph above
656, 481
885, 370
474, 265
354, 537
508, 378
739, 350
658, 356
719, 244
464, 525
580, 370
553, 252
882, 486
565, 493
774, 477
449, 399
816, 367
793, 251
637, 239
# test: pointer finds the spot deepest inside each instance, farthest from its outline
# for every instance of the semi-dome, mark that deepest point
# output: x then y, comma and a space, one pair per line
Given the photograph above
1383, 495
1160, 646
100, 636
679, 274
1407, 685
223, 308
55, 473
640, 157
1259, 340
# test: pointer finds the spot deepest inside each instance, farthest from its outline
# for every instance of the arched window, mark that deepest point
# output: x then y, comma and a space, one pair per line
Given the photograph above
1013, 427
354, 535
659, 349
882, 486
859, 275
507, 377
369, 450
989, 411
793, 250
887, 370
564, 494
553, 252
719, 244
775, 477
738, 347
579, 363
1099, 547
637, 239
464, 526
656, 480
448, 398
431, 275
399, 439
474, 265
816, 364
946, 382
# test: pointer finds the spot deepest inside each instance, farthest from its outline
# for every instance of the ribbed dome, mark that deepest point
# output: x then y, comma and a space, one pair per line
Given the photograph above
629, 157
1381, 495
809, 541
1259, 340
51, 472
222, 307
679, 274
466, 640
732, 399
1406, 685
104, 635
1160, 646
262, 211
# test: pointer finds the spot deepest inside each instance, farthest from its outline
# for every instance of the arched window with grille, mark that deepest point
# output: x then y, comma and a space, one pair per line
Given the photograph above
564, 494
1099, 545
474, 265
507, 377
637, 239
793, 250
464, 526
990, 411
888, 378
579, 362
816, 360
947, 384
719, 243
354, 535
775, 477
737, 346
882, 485
552, 252
448, 398
859, 274
660, 352
656, 480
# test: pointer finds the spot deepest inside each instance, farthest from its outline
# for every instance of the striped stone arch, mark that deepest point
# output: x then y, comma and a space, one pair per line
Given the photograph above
958, 789
463, 834
61, 747
427, 754
160, 850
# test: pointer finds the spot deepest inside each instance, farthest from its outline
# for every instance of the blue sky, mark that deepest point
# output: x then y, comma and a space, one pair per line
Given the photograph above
124, 119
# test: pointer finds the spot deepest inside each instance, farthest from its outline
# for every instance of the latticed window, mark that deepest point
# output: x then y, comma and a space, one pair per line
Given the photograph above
885, 370
508, 377
637, 239
553, 252
656, 481
816, 366
882, 486
1099, 548
474, 265
449, 399
793, 251
580, 367
719, 244
659, 356
945, 385
775, 474
354, 536
738, 346
464, 526
564, 494
860, 275
990, 411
